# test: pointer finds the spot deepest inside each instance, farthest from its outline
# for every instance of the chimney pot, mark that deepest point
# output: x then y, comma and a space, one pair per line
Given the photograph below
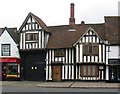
82, 22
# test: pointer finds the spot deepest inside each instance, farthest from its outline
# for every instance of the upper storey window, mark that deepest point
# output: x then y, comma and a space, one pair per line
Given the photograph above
5, 49
90, 49
59, 53
31, 36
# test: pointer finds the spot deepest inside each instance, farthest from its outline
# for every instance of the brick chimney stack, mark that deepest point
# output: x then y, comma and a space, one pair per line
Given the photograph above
72, 19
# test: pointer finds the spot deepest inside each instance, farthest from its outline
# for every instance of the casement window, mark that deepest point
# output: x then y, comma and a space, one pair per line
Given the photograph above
31, 36
5, 49
90, 49
59, 53
89, 70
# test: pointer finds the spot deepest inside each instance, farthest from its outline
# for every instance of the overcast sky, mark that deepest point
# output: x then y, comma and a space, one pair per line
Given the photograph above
56, 12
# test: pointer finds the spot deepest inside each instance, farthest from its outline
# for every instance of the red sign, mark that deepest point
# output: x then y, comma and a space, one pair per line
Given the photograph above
9, 60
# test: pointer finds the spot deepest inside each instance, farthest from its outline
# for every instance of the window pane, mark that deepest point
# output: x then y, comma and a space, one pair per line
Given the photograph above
84, 68
56, 52
85, 49
12, 69
62, 52
35, 37
93, 70
90, 49
88, 70
5, 49
95, 50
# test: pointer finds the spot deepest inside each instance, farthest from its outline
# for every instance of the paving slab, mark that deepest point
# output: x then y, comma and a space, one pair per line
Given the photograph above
55, 84
60, 84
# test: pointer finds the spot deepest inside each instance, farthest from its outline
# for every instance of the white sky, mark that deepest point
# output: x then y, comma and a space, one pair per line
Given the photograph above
56, 12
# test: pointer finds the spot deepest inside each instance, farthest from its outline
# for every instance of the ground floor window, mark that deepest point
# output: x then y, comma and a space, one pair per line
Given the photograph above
12, 69
89, 70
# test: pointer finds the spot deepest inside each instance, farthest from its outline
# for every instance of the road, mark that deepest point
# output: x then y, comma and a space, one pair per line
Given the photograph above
39, 90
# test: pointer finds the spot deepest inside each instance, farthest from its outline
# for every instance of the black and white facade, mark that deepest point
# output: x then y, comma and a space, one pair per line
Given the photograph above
63, 60
69, 52
33, 40
90, 56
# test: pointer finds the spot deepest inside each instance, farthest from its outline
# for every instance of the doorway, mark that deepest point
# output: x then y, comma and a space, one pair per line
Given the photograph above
118, 73
113, 73
56, 73
4, 71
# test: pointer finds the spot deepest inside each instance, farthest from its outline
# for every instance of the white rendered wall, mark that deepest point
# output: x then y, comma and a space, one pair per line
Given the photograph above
113, 54
5, 38
107, 73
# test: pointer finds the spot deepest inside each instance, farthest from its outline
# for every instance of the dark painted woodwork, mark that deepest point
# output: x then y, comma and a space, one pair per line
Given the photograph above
33, 65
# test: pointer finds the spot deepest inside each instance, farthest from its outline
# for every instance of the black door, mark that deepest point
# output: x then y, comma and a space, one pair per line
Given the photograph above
34, 66
113, 73
4, 68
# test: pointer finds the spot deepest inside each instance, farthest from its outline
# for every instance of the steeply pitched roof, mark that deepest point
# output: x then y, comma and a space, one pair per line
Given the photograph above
13, 33
41, 23
1, 31
112, 29
61, 37
37, 19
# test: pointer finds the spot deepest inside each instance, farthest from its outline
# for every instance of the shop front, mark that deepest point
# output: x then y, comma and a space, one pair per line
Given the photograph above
114, 70
10, 68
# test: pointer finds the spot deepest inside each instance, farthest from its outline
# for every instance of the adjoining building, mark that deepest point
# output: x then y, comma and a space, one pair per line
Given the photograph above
112, 30
9, 54
70, 52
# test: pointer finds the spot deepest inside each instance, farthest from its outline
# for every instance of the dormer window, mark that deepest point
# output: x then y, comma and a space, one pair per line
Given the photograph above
71, 30
59, 53
90, 49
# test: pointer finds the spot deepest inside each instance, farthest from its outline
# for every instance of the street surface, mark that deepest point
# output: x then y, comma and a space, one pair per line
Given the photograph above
38, 89
24, 87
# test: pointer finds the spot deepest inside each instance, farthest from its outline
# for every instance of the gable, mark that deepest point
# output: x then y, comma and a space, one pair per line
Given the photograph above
90, 36
30, 24
6, 38
12, 33
33, 23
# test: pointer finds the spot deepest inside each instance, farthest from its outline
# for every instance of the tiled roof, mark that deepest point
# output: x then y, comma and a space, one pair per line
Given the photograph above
65, 36
112, 30
41, 23
13, 33
62, 37
1, 31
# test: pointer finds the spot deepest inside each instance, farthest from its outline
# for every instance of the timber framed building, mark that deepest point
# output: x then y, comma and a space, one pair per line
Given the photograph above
70, 52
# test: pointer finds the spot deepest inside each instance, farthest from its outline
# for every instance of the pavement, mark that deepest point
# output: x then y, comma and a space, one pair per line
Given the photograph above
76, 84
